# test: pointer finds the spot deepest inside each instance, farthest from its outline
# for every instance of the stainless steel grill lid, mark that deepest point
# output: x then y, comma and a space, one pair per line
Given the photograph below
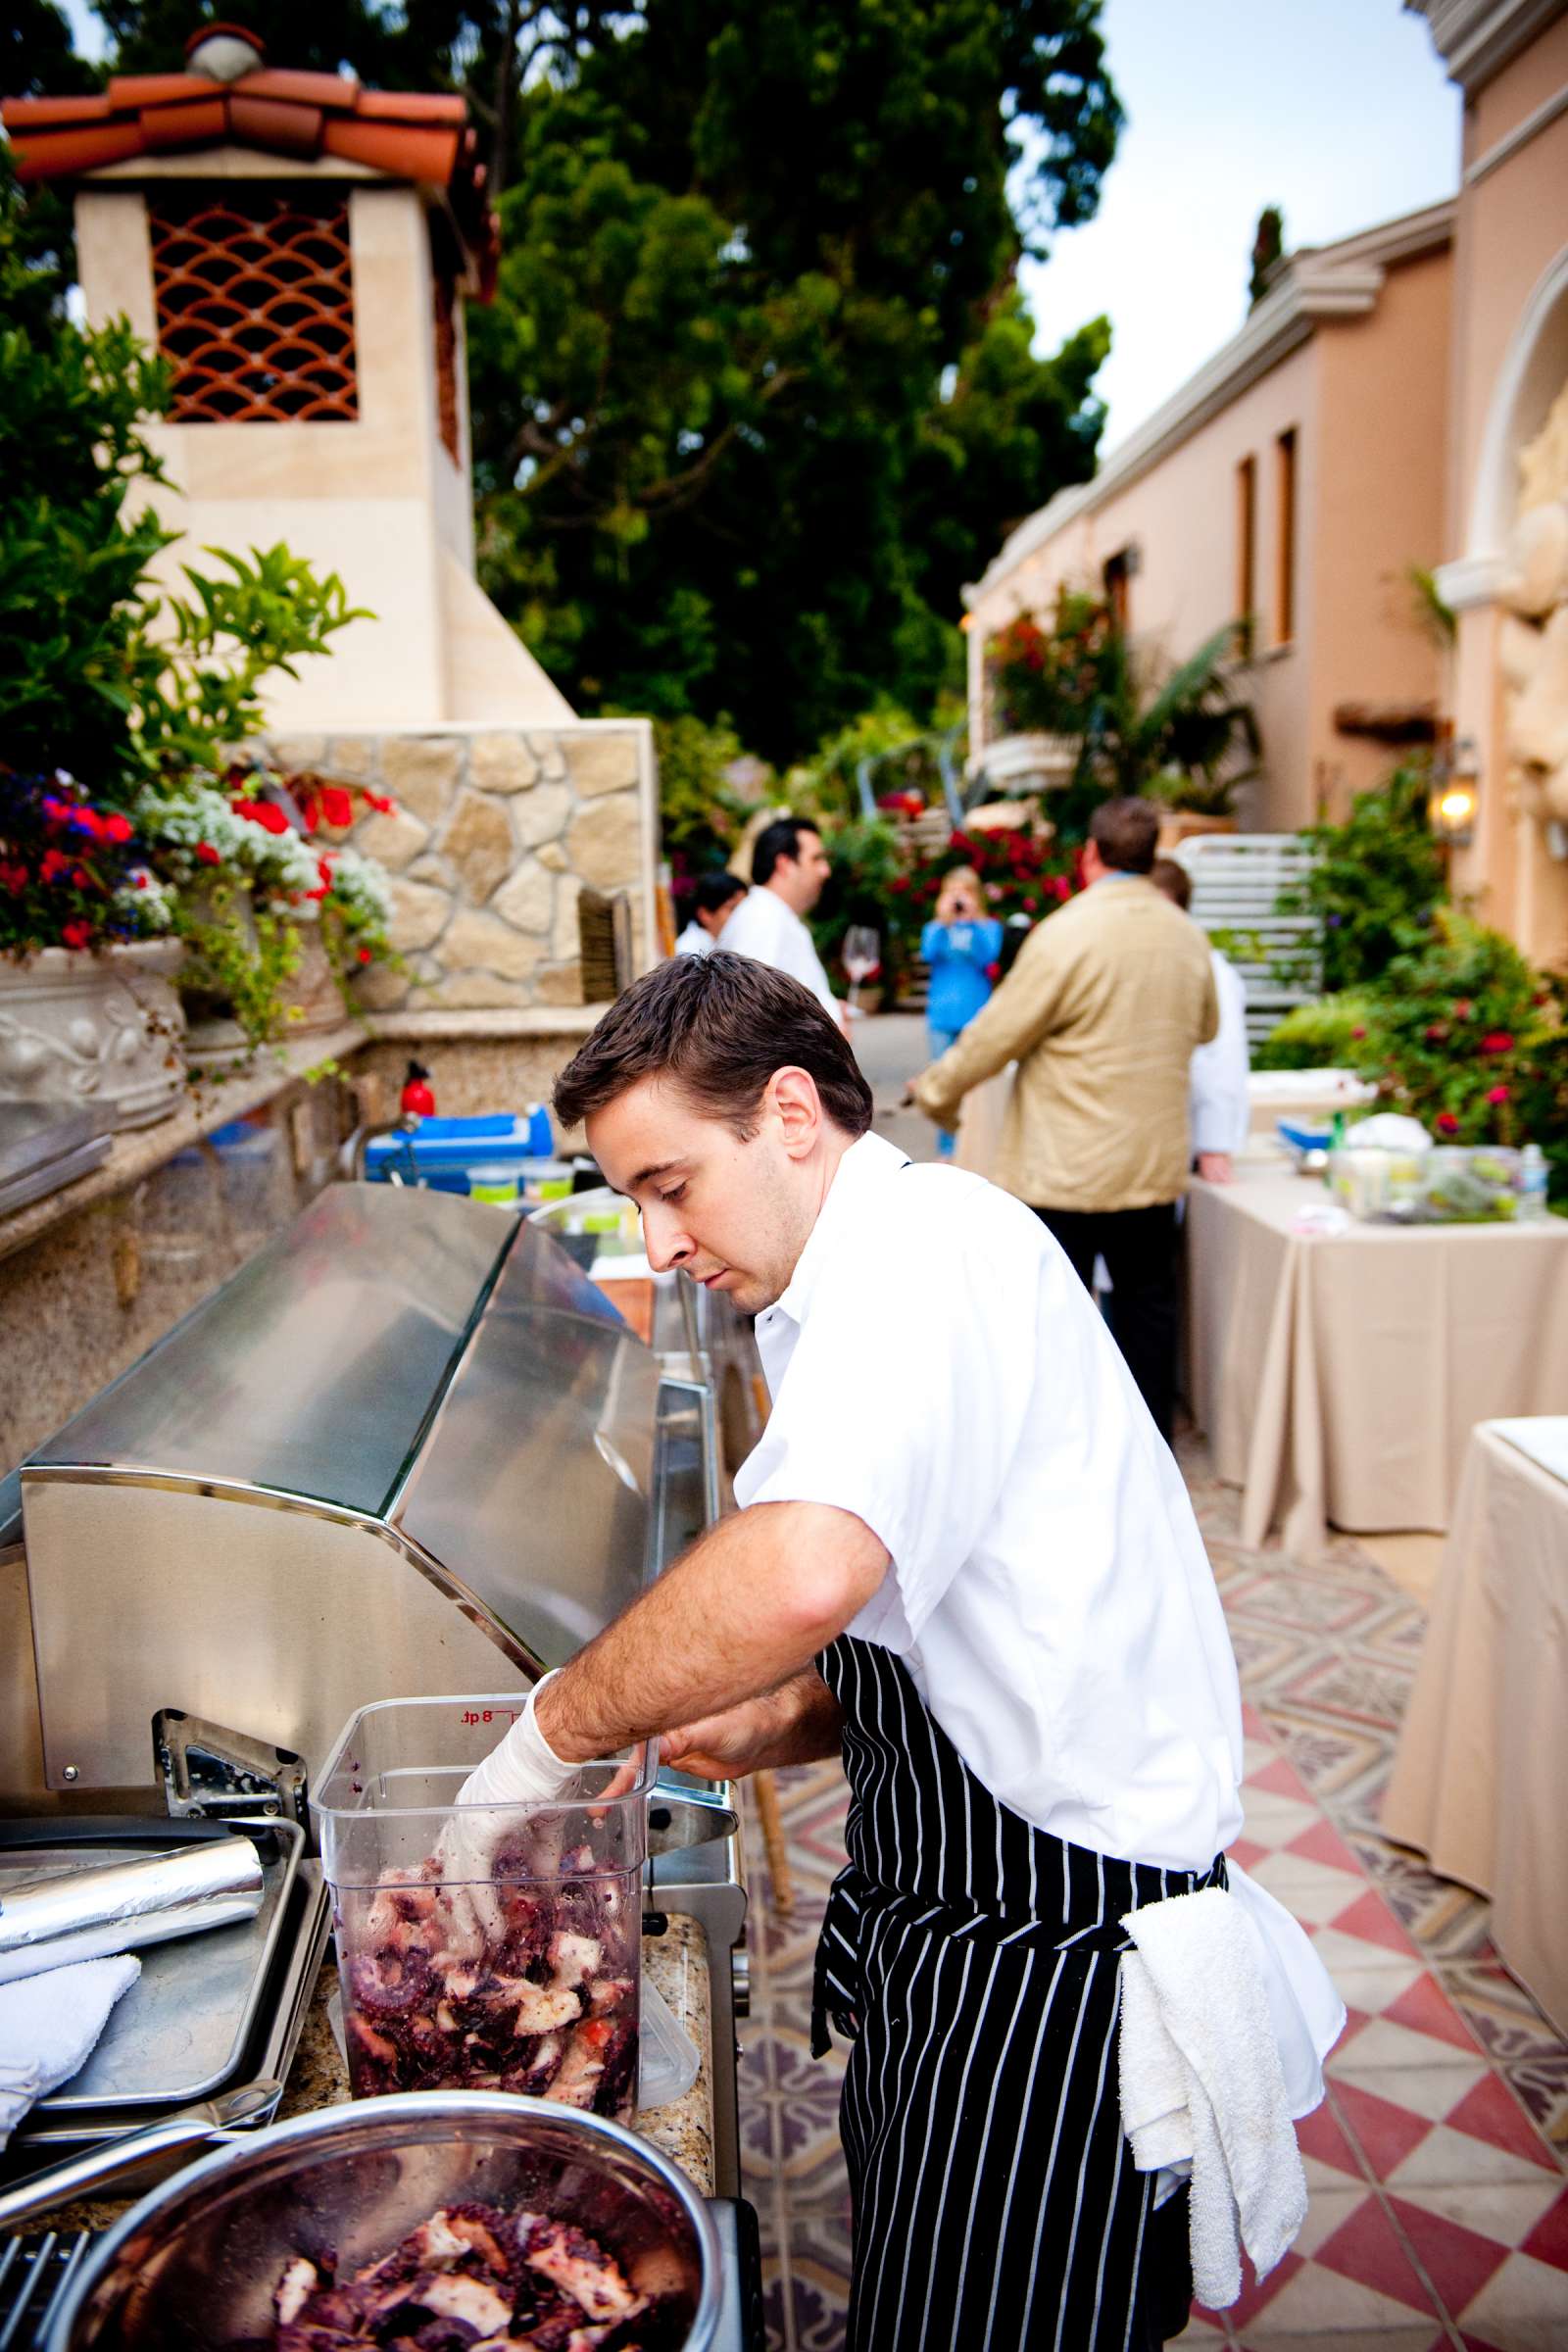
409, 1432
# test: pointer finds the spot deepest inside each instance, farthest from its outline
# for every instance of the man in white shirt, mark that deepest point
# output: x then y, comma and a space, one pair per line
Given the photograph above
966, 1561
789, 872
713, 902
1219, 1111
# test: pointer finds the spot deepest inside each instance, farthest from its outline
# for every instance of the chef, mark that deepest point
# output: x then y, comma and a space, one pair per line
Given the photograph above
966, 1563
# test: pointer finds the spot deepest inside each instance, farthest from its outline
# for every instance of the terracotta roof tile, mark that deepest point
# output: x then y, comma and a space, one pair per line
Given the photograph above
274, 127
411, 106
419, 135
127, 91
333, 92
23, 114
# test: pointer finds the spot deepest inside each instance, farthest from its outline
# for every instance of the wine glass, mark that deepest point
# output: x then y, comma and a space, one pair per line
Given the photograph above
862, 955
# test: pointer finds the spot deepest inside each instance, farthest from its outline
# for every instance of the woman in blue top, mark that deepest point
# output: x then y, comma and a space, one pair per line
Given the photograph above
959, 945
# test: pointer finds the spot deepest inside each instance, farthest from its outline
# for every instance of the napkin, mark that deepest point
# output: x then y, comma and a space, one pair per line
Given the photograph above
49, 2027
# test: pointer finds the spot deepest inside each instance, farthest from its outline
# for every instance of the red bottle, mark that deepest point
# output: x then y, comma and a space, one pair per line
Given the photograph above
417, 1096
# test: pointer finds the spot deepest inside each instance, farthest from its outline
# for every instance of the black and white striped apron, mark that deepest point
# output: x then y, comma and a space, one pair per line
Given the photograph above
973, 1958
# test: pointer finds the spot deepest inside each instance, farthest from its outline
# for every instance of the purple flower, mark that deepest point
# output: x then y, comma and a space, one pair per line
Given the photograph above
1334, 921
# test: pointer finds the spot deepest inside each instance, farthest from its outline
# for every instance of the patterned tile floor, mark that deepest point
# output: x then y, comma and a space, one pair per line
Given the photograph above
1439, 2163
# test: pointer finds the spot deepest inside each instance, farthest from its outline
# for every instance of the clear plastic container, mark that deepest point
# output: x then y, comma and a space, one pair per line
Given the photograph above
517, 1966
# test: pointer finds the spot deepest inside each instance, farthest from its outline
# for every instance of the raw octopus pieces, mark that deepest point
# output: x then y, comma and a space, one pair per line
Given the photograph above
471, 2278
534, 1992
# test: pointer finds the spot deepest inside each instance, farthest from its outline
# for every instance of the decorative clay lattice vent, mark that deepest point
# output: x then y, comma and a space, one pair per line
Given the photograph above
255, 294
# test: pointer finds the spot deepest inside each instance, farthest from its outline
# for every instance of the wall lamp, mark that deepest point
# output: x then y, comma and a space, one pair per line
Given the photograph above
1455, 794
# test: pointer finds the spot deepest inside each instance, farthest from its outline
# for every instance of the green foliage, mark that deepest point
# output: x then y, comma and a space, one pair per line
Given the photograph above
1377, 880
699, 814
868, 875
1268, 246
1327, 1035
757, 392
1186, 736
1461, 1033
240, 958
196, 688
1466, 1034
101, 673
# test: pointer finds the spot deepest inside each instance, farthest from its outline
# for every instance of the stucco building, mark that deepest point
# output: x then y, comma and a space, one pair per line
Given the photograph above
1294, 482
1505, 473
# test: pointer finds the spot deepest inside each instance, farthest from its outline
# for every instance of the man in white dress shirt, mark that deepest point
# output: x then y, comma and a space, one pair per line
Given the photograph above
789, 873
966, 1560
1218, 1108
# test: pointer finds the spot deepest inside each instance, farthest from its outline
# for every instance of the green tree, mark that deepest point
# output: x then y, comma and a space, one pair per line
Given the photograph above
758, 393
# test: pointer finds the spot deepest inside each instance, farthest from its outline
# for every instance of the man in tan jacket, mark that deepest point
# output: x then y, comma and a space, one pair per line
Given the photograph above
1101, 1012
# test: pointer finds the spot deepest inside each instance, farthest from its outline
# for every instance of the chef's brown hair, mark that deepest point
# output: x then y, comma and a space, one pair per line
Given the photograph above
719, 1025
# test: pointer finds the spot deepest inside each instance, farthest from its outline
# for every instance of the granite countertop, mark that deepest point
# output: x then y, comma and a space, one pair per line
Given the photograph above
676, 1962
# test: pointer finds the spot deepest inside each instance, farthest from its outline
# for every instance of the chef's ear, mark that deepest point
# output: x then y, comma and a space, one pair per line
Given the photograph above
792, 1099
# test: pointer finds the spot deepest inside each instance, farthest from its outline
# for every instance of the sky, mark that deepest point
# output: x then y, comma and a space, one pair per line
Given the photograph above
1336, 110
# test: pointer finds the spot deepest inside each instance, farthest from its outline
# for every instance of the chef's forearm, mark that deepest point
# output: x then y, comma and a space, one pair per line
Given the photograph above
741, 1613
805, 1722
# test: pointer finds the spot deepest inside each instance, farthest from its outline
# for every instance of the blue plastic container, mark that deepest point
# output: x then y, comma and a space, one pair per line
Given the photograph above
446, 1148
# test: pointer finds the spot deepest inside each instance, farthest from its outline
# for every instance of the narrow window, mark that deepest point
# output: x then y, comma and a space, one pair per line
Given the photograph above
1284, 553
1245, 554
1118, 572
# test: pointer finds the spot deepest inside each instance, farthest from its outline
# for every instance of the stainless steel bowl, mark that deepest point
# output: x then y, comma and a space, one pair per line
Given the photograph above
192, 2268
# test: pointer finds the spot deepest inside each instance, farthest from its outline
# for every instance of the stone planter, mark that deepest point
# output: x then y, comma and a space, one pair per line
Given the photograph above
95, 1029
1029, 762
312, 998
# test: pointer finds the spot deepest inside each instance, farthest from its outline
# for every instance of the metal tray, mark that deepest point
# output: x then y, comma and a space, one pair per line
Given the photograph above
268, 2055
178, 2035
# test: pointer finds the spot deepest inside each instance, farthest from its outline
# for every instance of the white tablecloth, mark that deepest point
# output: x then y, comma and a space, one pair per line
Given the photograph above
1337, 1377
1481, 1779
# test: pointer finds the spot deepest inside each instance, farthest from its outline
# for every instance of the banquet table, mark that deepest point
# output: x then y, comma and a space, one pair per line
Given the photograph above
1483, 1759
1338, 1376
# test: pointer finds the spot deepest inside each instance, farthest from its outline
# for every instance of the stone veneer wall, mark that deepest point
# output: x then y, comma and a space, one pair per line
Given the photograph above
496, 830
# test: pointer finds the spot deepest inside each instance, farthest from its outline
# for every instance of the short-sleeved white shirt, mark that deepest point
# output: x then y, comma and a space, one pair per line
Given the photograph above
764, 928
937, 1368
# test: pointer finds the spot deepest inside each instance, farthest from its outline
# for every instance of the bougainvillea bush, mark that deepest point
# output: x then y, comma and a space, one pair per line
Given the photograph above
876, 882
1463, 1033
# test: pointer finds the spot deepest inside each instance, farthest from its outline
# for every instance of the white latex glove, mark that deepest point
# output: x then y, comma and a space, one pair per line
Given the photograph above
522, 1770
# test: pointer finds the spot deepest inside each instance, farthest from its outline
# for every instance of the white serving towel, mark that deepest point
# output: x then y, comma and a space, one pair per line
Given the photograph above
49, 2027
1201, 2084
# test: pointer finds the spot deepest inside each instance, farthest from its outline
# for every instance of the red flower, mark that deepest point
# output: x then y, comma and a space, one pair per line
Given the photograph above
206, 854
265, 814
338, 805
324, 867
1445, 1123
1462, 1008
13, 877
76, 933
1498, 1093
88, 821
898, 884
1496, 1041
379, 802
117, 827
1358, 1031
80, 876
366, 956
1434, 1034
54, 864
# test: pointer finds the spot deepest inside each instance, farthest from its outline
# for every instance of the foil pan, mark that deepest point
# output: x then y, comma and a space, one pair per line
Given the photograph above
118, 1906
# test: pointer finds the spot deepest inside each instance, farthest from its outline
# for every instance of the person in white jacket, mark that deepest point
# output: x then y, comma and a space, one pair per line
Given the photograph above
1218, 1108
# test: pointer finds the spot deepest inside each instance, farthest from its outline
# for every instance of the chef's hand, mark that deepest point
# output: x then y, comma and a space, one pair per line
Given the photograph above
1214, 1167
523, 1770
796, 1724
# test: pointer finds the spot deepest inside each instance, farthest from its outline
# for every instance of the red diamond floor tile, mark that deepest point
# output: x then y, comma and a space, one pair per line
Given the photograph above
1427, 2009
1457, 2261
1490, 2112
1384, 2132
1549, 2240
1367, 2249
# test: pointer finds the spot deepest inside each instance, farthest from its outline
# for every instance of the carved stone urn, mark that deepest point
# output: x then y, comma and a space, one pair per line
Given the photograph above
94, 1029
